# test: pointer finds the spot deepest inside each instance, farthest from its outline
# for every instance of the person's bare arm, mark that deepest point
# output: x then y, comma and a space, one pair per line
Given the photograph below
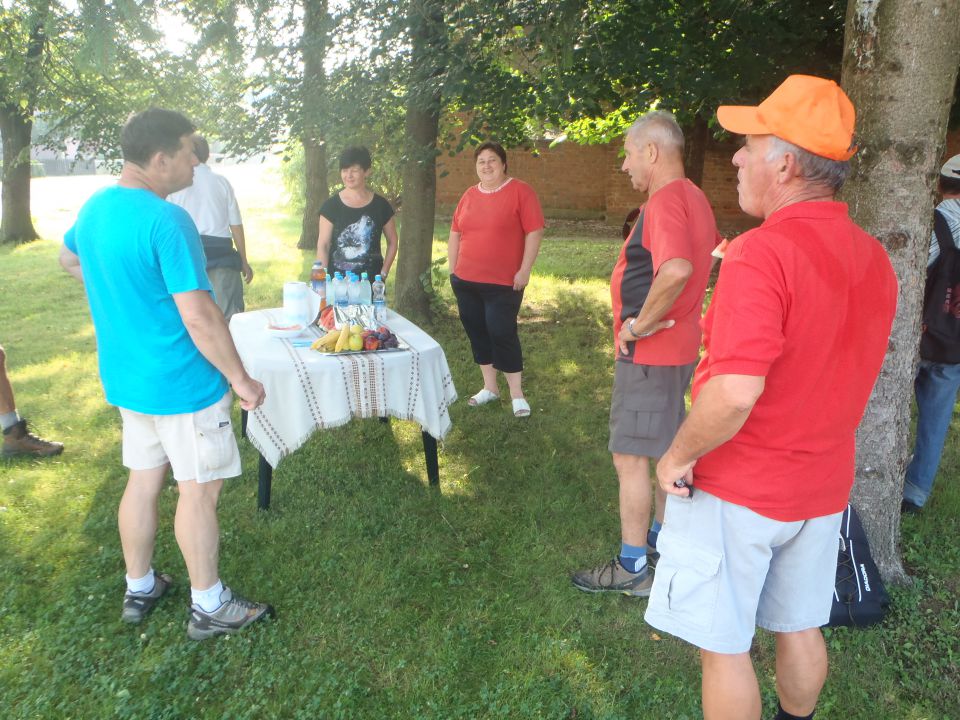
240, 240
323, 241
667, 285
70, 262
393, 242
531, 247
209, 332
453, 250
720, 410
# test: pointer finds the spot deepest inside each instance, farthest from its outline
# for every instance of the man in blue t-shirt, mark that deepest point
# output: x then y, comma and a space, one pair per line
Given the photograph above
166, 358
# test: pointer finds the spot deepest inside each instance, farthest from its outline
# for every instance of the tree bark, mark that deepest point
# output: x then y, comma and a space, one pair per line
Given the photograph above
899, 68
16, 225
314, 49
413, 284
16, 126
695, 150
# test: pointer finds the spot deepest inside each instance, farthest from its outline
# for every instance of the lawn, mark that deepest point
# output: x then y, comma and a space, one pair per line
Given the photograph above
393, 600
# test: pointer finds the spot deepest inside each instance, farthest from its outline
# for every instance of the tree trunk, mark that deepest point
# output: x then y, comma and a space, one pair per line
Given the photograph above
314, 49
16, 225
316, 190
413, 285
16, 126
695, 150
899, 68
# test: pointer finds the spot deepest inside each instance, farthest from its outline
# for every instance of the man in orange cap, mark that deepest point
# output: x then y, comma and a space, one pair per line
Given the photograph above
794, 340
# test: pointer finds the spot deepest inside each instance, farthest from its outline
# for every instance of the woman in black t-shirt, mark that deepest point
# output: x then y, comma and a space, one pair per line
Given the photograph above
353, 220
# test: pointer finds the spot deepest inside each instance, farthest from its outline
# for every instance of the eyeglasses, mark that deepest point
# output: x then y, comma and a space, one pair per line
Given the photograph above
628, 223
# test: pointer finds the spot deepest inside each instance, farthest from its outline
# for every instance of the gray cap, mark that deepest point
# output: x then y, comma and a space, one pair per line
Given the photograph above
951, 168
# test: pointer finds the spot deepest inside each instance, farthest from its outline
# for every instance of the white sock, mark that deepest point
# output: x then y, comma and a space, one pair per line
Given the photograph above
141, 585
209, 599
8, 420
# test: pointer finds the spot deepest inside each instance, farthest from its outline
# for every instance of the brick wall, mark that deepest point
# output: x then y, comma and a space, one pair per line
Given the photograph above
585, 181
567, 178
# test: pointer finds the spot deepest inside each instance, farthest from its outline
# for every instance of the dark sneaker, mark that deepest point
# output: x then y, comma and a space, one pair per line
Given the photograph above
18, 441
613, 577
910, 508
235, 614
136, 606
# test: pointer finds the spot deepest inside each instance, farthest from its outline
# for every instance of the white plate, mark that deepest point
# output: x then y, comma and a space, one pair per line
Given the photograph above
286, 332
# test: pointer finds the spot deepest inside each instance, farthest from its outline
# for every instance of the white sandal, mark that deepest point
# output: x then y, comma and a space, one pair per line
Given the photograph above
482, 398
521, 408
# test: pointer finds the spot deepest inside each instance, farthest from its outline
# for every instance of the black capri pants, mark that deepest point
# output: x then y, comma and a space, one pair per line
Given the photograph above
489, 316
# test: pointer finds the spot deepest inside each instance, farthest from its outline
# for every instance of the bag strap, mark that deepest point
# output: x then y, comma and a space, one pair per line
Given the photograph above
942, 230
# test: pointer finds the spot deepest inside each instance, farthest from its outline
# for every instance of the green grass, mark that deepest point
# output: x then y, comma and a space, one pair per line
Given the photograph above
393, 600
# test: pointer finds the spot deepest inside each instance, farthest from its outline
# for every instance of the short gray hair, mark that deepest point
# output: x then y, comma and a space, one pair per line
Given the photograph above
814, 169
661, 128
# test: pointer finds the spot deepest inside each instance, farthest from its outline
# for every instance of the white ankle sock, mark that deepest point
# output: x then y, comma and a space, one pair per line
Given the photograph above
8, 420
209, 599
141, 585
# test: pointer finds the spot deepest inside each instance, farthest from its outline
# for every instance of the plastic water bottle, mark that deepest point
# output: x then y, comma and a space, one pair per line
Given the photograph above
366, 292
318, 282
340, 290
379, 293
353, 290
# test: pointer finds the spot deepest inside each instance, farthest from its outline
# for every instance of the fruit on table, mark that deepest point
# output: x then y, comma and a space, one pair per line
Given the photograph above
326, 317
355, 338
327, 342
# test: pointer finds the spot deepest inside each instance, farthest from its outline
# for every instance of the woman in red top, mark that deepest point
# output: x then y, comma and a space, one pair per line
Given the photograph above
494, 239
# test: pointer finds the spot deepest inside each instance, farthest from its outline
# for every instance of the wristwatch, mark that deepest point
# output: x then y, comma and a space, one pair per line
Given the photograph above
641, 335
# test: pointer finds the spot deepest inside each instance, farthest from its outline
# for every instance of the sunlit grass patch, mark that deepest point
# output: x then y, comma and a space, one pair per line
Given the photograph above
394, 600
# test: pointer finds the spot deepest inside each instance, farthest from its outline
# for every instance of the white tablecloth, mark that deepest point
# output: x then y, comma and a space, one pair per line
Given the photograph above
309, 391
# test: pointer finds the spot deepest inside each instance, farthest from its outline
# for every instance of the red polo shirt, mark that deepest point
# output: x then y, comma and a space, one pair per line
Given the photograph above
676, 222
806, 300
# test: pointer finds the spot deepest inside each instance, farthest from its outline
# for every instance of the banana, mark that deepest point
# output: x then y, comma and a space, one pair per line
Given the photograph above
343, 340
327, 342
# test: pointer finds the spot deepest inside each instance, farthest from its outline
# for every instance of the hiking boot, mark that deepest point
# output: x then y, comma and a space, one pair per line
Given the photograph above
652, 554
136, 606
613, 577
18, 441
234, 614
652, 557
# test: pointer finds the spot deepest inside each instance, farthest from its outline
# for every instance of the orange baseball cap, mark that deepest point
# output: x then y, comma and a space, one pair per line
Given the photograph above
810, 112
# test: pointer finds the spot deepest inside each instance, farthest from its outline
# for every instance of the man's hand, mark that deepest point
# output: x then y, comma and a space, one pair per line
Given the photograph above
521, 279
669, 473
250, 392
247, 272
626, 336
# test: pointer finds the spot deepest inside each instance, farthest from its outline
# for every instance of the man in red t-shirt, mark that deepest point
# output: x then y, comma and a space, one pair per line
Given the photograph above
794, 340
657, 293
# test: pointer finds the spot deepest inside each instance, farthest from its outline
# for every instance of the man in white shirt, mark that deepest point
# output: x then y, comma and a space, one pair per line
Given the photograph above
213, 207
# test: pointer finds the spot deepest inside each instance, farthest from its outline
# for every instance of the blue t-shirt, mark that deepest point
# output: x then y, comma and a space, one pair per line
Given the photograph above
136, 250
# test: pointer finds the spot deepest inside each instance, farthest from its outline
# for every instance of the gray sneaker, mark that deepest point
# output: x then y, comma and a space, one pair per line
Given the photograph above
613, 577
234, 614
136, 606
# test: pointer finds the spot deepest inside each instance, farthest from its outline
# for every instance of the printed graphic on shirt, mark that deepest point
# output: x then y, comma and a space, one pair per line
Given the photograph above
355, 240
351, 249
